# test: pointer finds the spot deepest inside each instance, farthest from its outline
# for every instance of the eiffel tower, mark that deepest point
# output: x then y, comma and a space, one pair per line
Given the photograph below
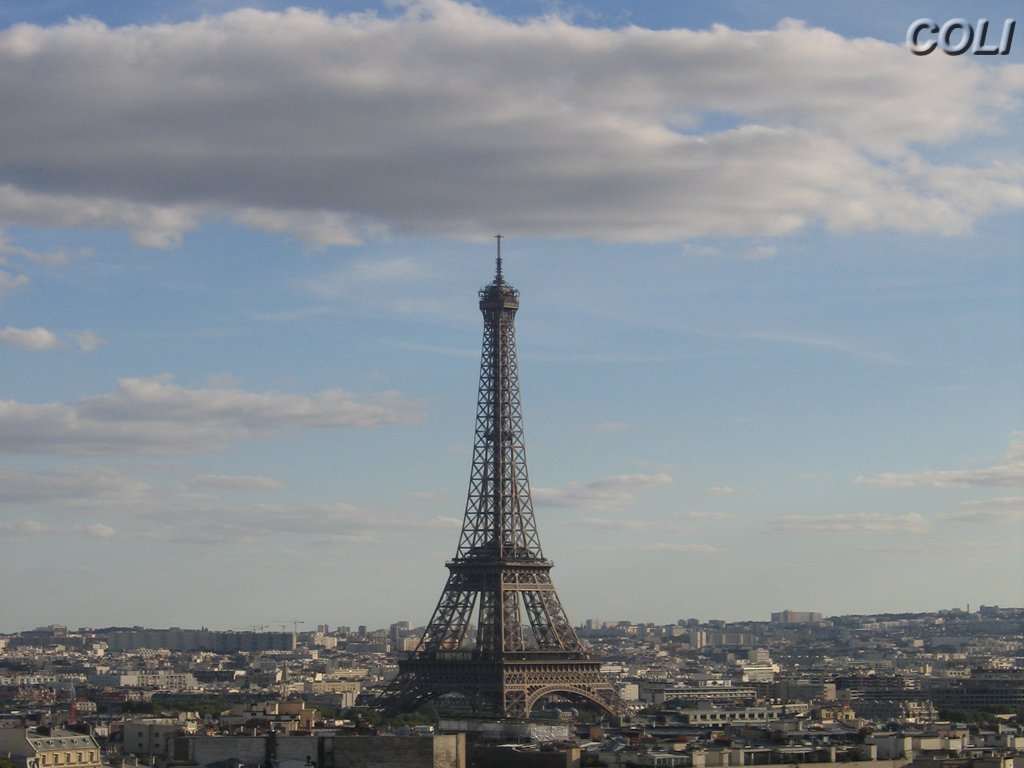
499, 569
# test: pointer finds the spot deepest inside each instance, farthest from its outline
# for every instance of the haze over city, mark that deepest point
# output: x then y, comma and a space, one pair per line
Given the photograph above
771, 335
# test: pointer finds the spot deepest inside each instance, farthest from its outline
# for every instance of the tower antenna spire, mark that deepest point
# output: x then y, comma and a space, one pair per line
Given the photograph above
498, 238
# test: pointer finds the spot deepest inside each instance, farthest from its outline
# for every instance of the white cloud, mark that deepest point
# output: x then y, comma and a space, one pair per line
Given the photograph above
100, 531
720, 490
1008, 475
58, 258
30, 339
861, 522
87, 340
10, 283
148, 502
31, 528
449, 120
24, 528
121, 491
315, 227
760, 252
392, 286
78, 488
239, 483
1002, 476
611, 428
41, 340
155, 416
337, 521
151, 226
1006, 511
606, 493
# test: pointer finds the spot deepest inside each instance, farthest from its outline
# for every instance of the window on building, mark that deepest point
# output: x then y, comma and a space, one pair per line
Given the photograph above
56, 759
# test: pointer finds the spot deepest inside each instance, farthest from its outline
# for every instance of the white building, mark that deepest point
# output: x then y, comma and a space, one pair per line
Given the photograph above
716, 717
49, 748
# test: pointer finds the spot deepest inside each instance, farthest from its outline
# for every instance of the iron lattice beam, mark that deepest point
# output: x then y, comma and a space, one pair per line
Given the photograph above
499, 570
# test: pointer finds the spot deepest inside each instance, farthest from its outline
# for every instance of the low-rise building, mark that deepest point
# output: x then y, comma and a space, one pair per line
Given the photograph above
148, 736
716, 717
49, 748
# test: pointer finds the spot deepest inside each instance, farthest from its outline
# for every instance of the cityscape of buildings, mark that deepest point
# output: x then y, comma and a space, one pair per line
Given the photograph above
882, 689
756, 321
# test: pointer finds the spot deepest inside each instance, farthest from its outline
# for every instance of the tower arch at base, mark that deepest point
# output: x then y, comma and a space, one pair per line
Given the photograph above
534, 696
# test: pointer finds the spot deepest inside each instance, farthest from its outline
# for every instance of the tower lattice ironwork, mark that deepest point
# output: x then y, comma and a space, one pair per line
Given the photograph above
525, 648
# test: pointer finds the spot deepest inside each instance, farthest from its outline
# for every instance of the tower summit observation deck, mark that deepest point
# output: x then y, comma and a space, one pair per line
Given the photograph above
525, 649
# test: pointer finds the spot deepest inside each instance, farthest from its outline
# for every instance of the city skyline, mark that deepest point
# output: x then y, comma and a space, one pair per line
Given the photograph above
771, 335
786, 617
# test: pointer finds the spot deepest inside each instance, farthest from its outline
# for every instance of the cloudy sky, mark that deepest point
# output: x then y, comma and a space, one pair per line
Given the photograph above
771, 335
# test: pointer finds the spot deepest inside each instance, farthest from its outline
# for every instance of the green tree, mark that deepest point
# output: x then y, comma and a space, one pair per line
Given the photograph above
425, 715
326, 711
367, 715
968, 716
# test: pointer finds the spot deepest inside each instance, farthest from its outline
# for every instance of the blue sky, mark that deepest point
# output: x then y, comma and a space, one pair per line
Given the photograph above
771, 336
